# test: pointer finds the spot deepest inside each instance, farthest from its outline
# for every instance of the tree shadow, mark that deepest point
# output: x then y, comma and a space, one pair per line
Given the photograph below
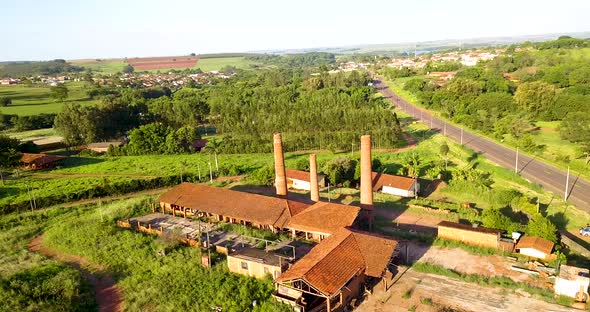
77, 161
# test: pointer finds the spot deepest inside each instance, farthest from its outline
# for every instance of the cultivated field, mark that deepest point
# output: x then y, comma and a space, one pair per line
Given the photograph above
107, 66
165, 62
37, 100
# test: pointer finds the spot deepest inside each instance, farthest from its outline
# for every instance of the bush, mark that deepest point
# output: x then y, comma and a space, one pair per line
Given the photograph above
5, 101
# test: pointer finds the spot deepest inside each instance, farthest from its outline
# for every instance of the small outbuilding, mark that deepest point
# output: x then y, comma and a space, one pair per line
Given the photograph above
40, 161
534, 247
255, 262
573, 282
395, 185
103, 147
299, 180
469, 234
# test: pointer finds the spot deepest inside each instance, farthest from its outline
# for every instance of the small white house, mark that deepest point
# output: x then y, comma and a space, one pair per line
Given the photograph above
573, 282
299, 180
534, 247
395, 185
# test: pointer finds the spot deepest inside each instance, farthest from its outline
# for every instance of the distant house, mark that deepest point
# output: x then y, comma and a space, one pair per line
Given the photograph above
299, 180
255, 262
534, 247
335, 271
573, 282
395, 185
103, 147
39, 161
199, 144
472, 235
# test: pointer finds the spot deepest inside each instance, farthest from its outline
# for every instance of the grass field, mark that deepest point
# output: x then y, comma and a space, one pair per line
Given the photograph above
145, 267
108, 66
32, 135
111, 66
37, 100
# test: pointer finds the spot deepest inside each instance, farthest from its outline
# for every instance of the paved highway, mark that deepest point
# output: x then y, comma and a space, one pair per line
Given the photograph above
550, 177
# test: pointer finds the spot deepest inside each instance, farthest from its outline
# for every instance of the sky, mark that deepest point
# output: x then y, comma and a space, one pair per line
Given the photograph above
68, 29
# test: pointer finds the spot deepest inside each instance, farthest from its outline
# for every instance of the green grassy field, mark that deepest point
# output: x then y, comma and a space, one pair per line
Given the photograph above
206, 64
145, 267
32, 135
37, 100
108, 66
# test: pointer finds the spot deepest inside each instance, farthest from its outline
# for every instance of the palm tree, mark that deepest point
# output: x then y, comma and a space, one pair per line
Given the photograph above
213, 147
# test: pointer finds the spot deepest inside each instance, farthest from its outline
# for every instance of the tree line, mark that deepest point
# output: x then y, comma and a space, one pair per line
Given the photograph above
507, 95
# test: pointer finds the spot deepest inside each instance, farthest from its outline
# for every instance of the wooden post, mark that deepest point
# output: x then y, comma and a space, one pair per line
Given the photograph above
174, 211
328, 307
184, 213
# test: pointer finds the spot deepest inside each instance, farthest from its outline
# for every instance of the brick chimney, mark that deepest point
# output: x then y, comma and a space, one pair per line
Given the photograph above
313, 178
280, 175
366, 179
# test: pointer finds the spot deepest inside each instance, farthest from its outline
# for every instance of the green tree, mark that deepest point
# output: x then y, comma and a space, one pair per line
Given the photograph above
214, 146
541, 227
444, 151
5, 101
76, 124
128, 69
9, 153
493, 218
340, 170
537, 98
59, 92
575, 127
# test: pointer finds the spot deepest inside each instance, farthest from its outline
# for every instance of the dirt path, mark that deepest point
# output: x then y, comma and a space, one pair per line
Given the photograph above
108, 294
451, 293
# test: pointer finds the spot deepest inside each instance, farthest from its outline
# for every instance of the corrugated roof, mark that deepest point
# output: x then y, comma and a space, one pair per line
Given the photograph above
382, 179
468, 227
240, 205
324, 217
334, 261
537, 243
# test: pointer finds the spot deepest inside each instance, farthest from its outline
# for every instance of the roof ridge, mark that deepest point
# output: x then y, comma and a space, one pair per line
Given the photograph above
358, 246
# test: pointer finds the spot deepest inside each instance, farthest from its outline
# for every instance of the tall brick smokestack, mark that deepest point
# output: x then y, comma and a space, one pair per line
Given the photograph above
280, 175
366, 179
313, 178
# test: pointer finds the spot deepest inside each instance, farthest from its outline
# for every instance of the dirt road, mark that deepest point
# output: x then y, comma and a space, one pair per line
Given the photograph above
431, 292
108, 294
552, 178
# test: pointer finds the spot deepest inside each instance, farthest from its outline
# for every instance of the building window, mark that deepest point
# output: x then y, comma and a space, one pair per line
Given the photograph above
245, 265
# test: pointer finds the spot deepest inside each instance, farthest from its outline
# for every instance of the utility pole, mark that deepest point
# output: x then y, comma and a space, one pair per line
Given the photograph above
567, 182
199, 172
516, 164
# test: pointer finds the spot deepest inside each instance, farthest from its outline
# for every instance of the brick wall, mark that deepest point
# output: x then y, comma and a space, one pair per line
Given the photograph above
471, 237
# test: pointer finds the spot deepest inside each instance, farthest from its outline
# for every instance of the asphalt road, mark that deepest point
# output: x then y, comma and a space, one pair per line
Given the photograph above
537, 171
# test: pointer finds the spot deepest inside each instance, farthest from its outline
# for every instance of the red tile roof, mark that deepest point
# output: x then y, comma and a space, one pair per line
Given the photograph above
240, 205
323, 217
297, 175
39, 159
338, 258
540, 244
382, 179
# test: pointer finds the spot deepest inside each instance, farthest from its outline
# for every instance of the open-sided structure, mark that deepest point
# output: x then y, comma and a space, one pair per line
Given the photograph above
335, 271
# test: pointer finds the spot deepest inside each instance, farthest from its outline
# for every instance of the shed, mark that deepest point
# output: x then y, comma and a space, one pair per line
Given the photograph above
534, 247
299, 180
395, 185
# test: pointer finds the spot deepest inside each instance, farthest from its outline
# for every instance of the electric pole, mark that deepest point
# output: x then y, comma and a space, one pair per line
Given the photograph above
567, 181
